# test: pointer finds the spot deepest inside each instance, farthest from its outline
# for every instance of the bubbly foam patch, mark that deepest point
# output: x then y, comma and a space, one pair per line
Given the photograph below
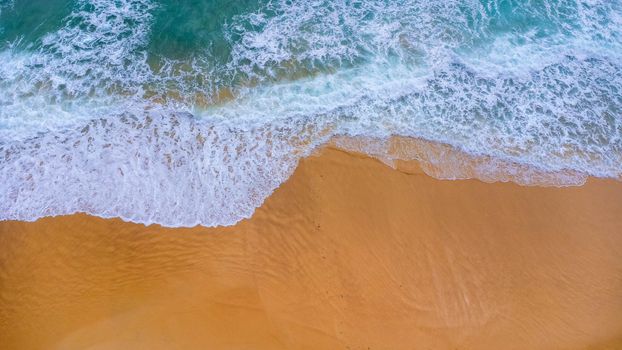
562, 117
6, 4
167, 169
330, 34
79, 71
92, 121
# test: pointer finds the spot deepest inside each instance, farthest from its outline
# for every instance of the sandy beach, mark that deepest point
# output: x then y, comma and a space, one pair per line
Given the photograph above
347, 254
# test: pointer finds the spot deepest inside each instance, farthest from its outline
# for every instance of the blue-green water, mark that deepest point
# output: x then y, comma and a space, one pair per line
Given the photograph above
193, 112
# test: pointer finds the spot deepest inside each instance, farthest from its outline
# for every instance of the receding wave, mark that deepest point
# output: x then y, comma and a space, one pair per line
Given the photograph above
119, 112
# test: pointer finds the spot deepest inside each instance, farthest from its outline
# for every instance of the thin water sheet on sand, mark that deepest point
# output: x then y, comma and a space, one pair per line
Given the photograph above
347, 254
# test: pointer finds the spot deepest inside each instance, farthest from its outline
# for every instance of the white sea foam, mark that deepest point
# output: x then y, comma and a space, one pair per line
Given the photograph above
6, 4
167, 169
86, 124
70, 76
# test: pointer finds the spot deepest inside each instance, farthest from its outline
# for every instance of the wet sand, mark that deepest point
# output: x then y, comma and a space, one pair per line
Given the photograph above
347, 254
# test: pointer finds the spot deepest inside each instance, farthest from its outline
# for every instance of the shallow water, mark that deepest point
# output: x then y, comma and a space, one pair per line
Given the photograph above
193, 113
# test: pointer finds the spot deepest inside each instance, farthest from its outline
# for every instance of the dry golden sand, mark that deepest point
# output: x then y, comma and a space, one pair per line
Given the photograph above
347, 254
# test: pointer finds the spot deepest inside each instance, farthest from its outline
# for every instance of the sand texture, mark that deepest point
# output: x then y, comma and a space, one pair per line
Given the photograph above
347, 254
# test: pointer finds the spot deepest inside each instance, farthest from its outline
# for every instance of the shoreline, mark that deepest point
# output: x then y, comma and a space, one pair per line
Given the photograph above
348, 252
411, 155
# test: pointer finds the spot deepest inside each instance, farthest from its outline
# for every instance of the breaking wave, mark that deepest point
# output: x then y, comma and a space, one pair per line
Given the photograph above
157, 112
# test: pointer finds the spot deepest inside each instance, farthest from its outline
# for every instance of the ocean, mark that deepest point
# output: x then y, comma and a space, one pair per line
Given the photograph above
185, 113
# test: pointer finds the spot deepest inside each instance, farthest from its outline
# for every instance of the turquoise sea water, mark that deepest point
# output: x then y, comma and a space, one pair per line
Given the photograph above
193, 112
